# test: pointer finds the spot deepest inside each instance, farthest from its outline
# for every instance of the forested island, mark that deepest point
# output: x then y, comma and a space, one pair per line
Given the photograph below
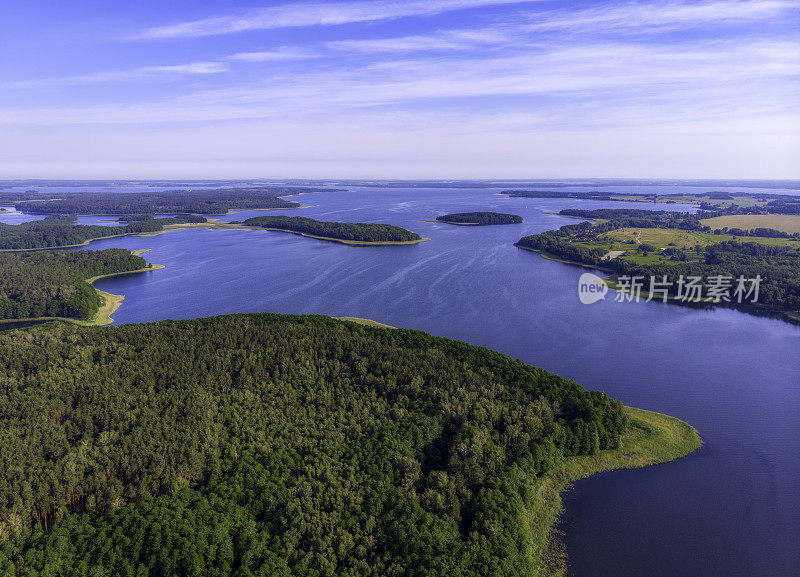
203, 201
54, 284
263, 444
480, 218
366, 233
649, 244
60, 231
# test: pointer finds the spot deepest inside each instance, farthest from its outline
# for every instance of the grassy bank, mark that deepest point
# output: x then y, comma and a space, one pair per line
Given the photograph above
368, 322
448, 222
651, 439
111, 302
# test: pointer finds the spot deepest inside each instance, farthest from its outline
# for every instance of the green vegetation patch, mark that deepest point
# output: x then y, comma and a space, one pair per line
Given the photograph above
137, 204
279, 445
480, 218
61, 232
356, 232
655, 244
58, 283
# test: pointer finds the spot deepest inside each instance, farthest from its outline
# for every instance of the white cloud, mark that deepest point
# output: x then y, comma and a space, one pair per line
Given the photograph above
144, 72
583, 85
443, 40
648, 16
315, 14
275, 55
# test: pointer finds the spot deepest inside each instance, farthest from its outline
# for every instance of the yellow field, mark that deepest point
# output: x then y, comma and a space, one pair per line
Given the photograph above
660, 237
628, 238
786, 222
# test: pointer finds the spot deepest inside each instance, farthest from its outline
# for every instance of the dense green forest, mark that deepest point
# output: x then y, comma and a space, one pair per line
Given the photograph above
205, 201
57, 231
480, 218
53, 284
778, 266
639, 218
268, 445
351, 231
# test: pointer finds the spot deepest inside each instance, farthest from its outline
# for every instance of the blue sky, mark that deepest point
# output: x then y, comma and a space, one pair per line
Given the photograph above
400, 89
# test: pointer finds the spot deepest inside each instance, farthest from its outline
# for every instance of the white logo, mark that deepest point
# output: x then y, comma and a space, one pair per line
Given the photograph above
591, 288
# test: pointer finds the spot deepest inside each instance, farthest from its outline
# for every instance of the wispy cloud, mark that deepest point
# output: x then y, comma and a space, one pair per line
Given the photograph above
643, 17
316, 14
580, 82
442, 40
143, 72
275, 55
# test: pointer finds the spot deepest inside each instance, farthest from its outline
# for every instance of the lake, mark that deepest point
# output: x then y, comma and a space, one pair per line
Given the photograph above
730, 509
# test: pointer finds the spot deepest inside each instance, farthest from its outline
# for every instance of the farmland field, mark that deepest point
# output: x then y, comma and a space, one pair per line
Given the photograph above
786, 222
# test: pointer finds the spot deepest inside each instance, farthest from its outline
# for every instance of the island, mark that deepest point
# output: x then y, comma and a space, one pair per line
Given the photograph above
56, 232
262, 444
42, 285
210, 201
657, 244
479, 218
61, 232
355, 233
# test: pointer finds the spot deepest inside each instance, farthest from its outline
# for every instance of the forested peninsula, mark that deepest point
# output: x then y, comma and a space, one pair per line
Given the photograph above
480, 218
203, 201
655, 244
268, 445
361, 233
59, 231
56, 284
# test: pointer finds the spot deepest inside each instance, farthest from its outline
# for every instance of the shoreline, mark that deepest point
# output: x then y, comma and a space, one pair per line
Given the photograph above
792, 317
563, 261
643, 201
163, 214
216, 225
652, 439
448, 222
111, 302
341, 240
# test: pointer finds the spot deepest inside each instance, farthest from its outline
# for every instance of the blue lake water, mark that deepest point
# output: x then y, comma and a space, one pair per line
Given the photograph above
732, 508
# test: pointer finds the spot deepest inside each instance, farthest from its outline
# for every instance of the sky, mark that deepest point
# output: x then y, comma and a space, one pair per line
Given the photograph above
400, 89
